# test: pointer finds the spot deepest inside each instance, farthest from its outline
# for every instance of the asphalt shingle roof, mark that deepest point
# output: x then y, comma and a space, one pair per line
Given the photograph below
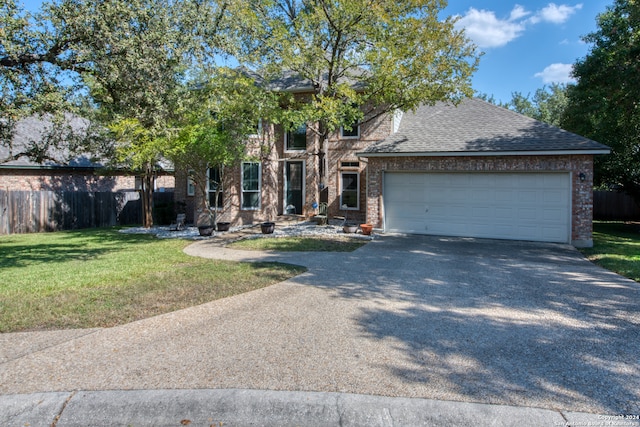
476, 126
34, 128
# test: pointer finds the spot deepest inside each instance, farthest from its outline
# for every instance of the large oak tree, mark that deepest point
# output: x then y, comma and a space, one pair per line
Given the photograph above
362, 58
129, 58
605, 102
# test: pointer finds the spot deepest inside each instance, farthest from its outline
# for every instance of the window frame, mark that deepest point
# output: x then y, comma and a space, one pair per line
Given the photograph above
258, 190
357, 190
258, 130
355, 128
288, 136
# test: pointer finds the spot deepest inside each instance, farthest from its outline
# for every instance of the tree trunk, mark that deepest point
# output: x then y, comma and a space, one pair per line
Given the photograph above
147, 197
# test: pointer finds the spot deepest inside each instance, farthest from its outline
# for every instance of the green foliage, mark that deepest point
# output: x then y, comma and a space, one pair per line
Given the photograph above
604, 105
29, 87
222, 109
130, 57
357, 54
548, 104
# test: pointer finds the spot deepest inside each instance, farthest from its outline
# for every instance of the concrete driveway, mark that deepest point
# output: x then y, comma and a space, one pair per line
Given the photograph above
469, 320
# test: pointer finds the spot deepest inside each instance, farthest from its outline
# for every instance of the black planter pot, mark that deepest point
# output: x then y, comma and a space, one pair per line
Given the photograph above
268, 227
205, 230
224, 226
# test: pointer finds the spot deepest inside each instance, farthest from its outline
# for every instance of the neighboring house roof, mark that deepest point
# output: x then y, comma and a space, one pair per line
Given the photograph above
34, 129
292, 82
476, 127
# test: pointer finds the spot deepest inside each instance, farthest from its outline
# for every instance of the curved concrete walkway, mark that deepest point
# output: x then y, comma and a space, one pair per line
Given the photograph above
444, 319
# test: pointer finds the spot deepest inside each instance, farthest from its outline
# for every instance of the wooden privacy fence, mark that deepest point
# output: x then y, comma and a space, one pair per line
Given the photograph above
614, 206
36, 211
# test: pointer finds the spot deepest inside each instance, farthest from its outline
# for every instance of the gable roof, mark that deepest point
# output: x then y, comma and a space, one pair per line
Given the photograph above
477, 128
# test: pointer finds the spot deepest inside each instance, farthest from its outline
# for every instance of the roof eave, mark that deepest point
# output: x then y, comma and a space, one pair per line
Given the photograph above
483, 153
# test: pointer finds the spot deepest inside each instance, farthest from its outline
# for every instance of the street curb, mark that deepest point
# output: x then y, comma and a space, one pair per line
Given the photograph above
234, 407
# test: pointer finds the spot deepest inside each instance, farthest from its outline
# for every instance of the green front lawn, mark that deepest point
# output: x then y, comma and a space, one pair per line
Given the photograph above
616, 247
101, 278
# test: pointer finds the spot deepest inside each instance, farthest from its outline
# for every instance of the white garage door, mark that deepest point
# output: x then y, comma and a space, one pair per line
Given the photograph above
515, 206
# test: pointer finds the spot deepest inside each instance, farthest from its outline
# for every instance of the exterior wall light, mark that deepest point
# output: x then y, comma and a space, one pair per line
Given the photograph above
582, 176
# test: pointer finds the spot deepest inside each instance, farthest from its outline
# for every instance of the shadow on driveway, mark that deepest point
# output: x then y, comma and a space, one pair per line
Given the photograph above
501, 322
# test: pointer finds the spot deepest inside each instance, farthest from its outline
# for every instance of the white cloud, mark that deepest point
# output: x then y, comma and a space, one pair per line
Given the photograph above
556, 73
557, 14
518, 12
486, 30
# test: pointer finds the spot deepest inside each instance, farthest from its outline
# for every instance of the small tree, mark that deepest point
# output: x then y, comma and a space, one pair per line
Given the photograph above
224, 108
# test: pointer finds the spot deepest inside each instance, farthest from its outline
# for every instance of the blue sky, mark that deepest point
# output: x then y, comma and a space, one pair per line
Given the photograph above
526, 45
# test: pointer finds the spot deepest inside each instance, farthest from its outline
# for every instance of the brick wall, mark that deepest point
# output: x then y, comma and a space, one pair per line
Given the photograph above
582, 194
272, 155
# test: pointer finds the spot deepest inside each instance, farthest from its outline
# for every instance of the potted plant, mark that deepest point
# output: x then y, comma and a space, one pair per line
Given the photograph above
366, 229
268, 227
348, 227
223, 225
205, 223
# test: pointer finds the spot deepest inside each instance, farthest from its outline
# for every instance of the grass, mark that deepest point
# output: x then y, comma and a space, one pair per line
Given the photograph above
298, 244
616, 247
102, 278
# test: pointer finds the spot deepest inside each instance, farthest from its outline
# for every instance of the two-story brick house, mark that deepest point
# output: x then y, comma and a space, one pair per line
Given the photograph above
474, 170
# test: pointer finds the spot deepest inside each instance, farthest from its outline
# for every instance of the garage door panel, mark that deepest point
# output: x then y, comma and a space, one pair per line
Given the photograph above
553, 215
521, 206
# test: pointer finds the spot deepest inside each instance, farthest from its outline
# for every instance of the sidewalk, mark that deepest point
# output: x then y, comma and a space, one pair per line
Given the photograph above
269, 408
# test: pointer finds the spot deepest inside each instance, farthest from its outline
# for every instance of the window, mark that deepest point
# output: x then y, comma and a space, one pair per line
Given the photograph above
353, 133
191, 186
257, 129
296, 139
251, 186
349, 185
214, 179
349, 164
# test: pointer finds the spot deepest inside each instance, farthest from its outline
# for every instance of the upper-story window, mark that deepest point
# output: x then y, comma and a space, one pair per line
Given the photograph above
354, 132
257, 130
296, 139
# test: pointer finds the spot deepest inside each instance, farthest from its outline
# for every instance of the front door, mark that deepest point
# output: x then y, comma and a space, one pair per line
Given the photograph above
294, 187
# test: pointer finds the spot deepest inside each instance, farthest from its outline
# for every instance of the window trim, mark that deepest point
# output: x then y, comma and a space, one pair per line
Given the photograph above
258, 129
357, 174
287, 139
355, 127
243, 191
